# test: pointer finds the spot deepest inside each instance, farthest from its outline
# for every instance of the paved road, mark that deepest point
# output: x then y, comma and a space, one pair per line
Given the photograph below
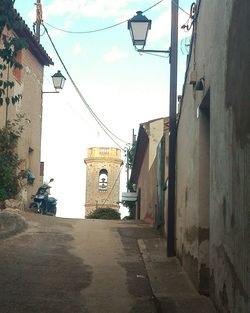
74, 266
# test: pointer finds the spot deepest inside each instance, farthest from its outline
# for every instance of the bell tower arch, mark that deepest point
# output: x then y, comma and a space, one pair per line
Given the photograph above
102, 178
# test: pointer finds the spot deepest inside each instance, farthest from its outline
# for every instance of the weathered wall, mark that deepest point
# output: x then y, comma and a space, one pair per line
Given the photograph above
29, 146
230, 251
213, 157
147, 181
146, 213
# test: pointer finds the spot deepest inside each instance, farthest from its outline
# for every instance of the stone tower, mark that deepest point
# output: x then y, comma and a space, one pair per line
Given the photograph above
102, 178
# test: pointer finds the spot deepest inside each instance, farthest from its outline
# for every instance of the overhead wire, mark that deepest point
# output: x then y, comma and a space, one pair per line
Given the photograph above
85, 32
184, 11
152, 6
191, 19
78, 113
111, 26
102, 125
123, 161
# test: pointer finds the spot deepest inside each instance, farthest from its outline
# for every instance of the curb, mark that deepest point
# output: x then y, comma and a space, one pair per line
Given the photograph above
169, 282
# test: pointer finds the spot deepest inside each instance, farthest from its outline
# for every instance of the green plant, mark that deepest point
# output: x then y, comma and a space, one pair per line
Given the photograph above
10, 173
105, 214
131, 154
131, 205
10, 46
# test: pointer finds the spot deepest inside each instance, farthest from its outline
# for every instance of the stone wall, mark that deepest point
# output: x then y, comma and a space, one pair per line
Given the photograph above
98, 159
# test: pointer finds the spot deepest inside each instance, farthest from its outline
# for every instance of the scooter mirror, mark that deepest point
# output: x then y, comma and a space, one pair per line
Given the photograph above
51, 180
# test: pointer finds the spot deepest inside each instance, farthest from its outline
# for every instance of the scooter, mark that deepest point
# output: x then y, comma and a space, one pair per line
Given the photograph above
42, 203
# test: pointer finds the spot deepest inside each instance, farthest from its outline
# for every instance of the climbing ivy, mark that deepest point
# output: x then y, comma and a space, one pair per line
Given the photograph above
10, 45
10, 174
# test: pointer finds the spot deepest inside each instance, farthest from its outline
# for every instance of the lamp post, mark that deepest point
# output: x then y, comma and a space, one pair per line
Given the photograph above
139, 26
58, 82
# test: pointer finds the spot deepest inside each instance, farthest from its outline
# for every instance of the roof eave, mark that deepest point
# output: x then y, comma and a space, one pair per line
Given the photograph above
34, 46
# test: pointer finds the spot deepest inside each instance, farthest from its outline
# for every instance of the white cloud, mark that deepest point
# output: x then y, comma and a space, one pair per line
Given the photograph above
90, 8
77, 50
114, 55
160, 27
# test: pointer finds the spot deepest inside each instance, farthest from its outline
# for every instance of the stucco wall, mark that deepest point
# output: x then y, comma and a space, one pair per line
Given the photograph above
146, 211
147, 180
213, 158
29, 146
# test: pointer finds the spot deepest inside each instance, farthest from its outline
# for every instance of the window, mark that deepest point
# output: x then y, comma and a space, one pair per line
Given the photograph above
103, 180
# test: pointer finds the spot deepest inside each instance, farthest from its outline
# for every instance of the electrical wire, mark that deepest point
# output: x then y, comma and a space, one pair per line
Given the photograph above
78, 113
102, 125
154, 5
123, 161
180, 8
85, 32
192, 18
111, 26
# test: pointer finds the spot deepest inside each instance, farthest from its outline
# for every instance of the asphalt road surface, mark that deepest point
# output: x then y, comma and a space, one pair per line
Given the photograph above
74, 266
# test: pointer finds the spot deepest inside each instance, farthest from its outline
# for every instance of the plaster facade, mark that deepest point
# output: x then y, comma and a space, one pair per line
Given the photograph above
29, 84
213, 157
149, 162
103, 166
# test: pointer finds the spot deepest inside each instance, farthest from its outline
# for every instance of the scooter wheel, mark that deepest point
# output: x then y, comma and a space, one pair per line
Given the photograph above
33, 207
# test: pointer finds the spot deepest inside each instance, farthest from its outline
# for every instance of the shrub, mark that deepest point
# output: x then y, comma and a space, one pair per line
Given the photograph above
105, 214
10, 174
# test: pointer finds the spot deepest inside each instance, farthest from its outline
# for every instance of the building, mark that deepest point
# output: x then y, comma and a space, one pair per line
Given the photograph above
103, 167
149, 171
28, 82
213, 156
212, 212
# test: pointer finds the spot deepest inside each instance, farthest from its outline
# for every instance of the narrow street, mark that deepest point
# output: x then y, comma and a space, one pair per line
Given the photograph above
73, 266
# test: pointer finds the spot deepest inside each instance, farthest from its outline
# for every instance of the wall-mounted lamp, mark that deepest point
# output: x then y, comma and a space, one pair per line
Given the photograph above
200, 85
58, 82
139, 25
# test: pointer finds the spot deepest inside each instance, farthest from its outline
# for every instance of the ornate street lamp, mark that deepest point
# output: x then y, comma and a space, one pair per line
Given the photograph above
139, 26
58, 80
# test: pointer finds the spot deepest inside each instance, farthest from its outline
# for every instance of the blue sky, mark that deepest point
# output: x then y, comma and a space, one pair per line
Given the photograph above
122, 87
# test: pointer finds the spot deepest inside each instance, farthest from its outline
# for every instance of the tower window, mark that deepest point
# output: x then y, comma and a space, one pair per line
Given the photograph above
103, 180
